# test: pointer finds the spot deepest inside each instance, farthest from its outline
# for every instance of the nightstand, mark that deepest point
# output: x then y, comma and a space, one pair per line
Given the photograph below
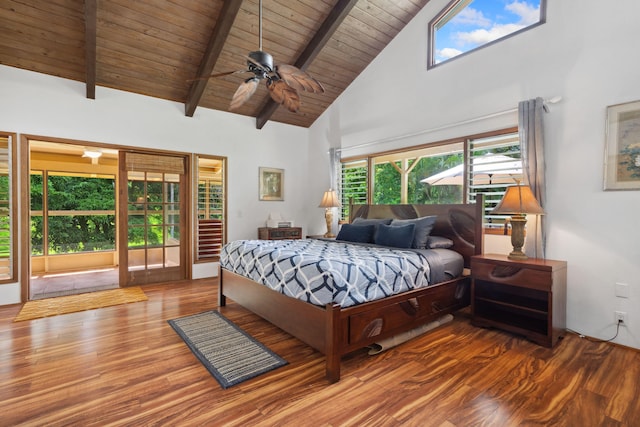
279, 233
526, 297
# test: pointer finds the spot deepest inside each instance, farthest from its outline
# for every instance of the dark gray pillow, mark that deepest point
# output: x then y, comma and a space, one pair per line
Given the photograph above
438, 242
423, 225
371, 221
396, 236
356, 233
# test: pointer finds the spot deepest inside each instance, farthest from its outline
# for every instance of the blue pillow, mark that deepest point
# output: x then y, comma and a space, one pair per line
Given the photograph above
424, 225
395, 236
356, 233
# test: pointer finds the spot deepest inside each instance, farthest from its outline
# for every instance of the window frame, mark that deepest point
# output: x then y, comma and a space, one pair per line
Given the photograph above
197, 258
466, 141
431, 48
12, 173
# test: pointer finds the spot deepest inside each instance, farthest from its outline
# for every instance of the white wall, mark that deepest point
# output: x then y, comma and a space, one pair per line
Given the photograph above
586, 53
38, 104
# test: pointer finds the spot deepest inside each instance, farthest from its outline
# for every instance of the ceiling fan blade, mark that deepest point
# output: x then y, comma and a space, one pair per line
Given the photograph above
298, 79
284, 94
243, 93
227, 73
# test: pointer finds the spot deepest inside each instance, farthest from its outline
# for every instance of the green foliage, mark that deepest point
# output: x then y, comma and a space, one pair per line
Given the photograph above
73, 233
388, 182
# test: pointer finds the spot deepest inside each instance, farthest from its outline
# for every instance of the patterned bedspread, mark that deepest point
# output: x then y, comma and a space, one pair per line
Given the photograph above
321, 271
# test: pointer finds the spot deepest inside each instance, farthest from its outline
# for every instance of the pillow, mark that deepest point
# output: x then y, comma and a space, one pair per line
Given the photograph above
396, 236
356, 233
371, 221
424, 225
437, 242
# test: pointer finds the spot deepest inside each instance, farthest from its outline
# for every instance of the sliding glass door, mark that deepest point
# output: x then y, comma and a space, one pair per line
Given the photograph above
153, 218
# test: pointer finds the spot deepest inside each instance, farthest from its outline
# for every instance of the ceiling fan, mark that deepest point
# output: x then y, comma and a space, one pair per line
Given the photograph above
283, 81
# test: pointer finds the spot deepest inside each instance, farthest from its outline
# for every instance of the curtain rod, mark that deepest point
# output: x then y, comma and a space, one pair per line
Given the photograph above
553, 100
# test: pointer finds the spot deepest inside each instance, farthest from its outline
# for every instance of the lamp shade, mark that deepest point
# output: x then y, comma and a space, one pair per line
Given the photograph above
518, 199
329, 200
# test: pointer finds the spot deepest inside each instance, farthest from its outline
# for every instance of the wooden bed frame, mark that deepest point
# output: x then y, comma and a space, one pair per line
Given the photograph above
336, 331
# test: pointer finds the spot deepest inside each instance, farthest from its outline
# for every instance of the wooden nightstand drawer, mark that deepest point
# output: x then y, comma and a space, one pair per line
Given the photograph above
512, 274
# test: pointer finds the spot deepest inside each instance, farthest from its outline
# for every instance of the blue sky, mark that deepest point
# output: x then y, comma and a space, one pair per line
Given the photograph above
483, 21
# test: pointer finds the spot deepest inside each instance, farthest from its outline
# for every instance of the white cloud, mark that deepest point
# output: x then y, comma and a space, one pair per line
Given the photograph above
528, 14
480, 37
471, 16
448, 52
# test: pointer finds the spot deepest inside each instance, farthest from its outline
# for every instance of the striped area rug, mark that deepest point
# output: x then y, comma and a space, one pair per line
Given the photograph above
72, 303
229, 353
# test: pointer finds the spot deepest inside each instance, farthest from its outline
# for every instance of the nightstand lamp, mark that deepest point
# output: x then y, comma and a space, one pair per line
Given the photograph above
329, 201
518, 201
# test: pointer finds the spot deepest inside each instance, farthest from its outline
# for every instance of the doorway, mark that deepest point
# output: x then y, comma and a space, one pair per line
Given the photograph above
101, 218
72, 218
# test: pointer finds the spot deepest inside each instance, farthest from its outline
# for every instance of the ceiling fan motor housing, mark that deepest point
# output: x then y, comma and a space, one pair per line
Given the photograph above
262, 58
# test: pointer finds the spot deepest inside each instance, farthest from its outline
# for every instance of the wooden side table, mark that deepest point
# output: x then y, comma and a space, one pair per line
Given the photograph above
524, 297
279, 233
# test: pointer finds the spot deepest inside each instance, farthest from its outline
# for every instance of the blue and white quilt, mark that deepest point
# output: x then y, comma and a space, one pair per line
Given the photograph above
322, 272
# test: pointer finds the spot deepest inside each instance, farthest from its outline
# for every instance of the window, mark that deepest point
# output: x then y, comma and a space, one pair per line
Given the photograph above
8, 262
494, 164
466, 25
211, 207
353, 185
449, 172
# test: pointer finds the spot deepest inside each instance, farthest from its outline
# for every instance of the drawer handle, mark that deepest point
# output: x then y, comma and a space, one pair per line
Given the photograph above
374, 328
502, 271
410, 306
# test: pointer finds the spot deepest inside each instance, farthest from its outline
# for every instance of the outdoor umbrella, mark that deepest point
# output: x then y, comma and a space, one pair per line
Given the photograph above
488, 169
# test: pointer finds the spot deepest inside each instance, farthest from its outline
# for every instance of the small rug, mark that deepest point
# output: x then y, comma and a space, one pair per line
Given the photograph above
229, 353
81, 302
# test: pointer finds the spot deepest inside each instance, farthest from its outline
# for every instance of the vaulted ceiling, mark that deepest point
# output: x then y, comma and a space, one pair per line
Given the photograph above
160, 47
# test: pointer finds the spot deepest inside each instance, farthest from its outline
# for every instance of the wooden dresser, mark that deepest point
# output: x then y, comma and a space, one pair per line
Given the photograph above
280, 233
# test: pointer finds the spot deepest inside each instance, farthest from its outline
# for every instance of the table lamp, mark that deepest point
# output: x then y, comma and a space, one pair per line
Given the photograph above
518, 201
329, 201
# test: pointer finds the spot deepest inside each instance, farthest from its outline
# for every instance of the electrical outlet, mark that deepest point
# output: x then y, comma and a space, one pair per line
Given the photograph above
621, 317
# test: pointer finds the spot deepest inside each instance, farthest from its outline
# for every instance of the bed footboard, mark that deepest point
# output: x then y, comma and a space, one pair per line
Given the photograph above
335, 331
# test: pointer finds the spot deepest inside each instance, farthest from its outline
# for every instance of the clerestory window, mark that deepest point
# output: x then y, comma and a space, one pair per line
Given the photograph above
466, 25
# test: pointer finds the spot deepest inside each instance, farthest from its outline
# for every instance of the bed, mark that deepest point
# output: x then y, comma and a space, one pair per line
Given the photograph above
337, 329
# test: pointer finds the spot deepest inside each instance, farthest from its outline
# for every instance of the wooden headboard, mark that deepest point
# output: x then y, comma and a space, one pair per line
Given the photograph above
463, 223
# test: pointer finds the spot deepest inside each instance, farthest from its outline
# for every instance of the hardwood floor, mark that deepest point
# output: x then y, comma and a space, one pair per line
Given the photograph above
124, 365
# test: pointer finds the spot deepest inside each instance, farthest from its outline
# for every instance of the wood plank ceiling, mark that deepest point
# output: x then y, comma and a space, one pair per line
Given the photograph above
157, 48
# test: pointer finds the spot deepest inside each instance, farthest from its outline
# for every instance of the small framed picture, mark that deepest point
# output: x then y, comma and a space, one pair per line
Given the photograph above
271, 185
622, 151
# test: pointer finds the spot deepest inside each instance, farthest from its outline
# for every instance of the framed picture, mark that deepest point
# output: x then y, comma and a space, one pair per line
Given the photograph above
271, 184
622, 151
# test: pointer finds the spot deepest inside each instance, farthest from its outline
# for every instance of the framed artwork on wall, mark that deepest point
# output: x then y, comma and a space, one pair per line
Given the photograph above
271, 184
622, 147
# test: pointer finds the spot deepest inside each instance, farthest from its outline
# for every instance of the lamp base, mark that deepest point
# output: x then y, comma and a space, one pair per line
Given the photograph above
328, 216
518, 222
517, 256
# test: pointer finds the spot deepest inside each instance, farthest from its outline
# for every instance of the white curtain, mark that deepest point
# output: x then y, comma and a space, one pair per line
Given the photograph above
531, 130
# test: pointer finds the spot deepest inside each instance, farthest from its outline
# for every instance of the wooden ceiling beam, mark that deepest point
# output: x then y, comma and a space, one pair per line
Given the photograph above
325, 32
90, 23
216, 42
